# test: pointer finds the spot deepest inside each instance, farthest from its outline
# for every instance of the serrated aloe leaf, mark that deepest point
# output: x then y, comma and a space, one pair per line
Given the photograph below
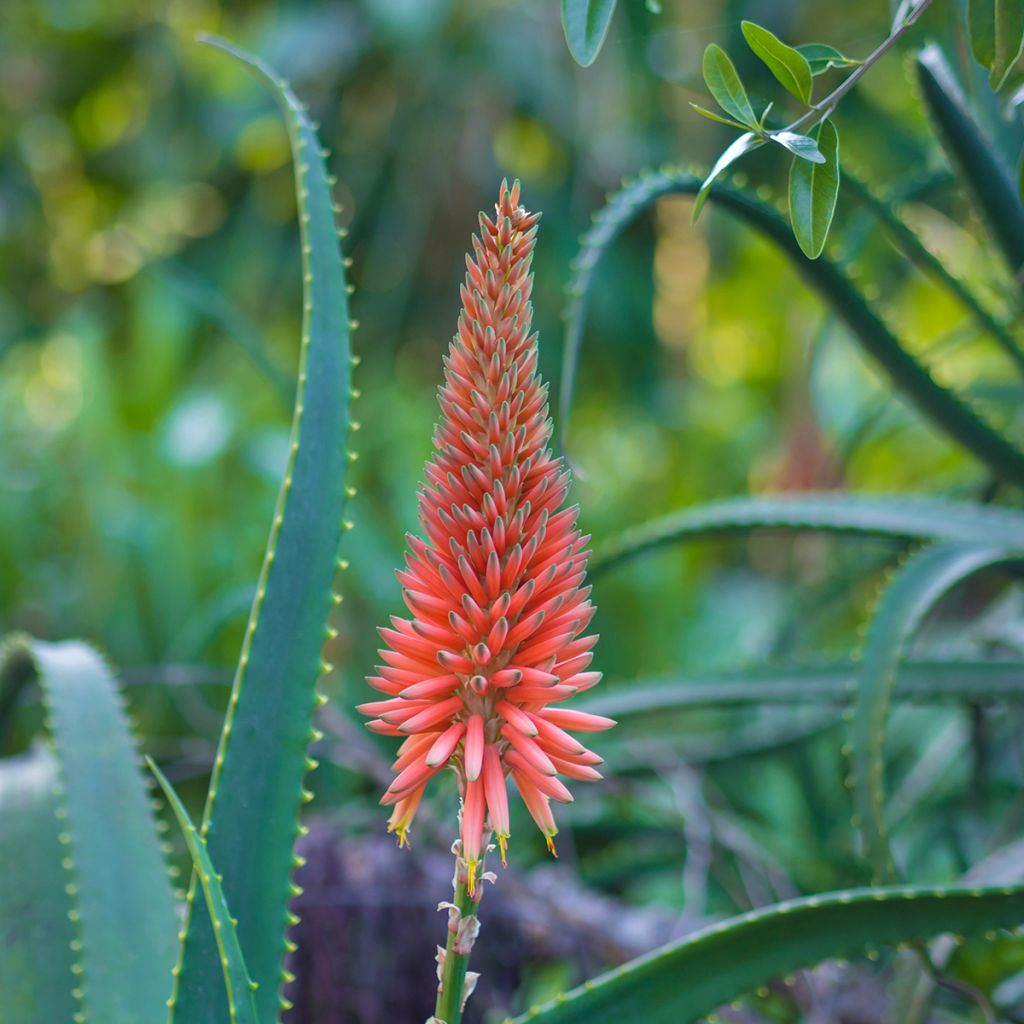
821, 57
987, 180
724, 83
943, 407
788, 65
686, 980
239, 987
121, 896
897, 516
921, 681
813, 190
914, 591
35, 930
250, 823
585, 23
921, 256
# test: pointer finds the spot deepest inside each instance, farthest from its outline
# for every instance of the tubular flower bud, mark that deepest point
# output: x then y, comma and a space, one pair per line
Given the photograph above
496, 590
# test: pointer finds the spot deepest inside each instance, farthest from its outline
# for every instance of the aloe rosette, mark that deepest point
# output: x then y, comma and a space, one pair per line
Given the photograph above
476, 679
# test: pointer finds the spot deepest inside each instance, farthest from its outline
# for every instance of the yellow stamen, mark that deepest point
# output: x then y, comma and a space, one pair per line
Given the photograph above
503, 846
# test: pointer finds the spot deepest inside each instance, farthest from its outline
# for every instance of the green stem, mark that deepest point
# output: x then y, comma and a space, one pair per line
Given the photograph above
461, 933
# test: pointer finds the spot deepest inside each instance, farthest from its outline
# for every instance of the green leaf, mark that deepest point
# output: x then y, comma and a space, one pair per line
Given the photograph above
127, 922
813, 189
946, 410
35, 930
820, 57
1008, 21
686, 980
251, 822
238, 986
726, 87
585, 23
913, 592
712, 116
986, 179
802, 146
981, 22
978, 681
871, 515
739, 147
789, 66
921, 256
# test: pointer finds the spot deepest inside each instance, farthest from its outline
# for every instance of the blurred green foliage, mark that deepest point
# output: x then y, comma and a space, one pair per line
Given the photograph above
149, 321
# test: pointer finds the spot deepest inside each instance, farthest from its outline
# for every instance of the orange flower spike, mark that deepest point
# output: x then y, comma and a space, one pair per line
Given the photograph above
496, 587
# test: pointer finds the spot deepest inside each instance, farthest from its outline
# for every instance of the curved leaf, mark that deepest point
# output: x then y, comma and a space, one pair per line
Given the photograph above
915, 250
896, 516
835, 683
725, 85
821, 57
122, 902
585, 23
682, 982
947, 411
737, 148
789, 66
35, 930
913, 592
813, 190
983, 174
238, 985
250, 823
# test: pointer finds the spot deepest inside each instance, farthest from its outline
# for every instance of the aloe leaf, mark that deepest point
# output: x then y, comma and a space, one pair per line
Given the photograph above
122, 901
686, 980
914, 249
978, 681
914, 591
946, 410
238, 986
35, 930
724, 83
813, 190
250, 823
896, 516
987, 180
585, 23
788, 65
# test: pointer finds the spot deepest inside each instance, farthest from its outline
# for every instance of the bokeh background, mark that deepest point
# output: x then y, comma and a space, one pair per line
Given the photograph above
150, 303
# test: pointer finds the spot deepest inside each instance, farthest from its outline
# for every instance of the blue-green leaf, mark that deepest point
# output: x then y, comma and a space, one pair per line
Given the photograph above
813, 189
789, 66
122, 901
725, 85
251, 819
35, 930
914, 591
686, 980
585, 23
803, 146
238, 986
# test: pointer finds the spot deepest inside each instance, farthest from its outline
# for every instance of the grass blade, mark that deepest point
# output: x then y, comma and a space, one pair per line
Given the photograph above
250, 823
686, 980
